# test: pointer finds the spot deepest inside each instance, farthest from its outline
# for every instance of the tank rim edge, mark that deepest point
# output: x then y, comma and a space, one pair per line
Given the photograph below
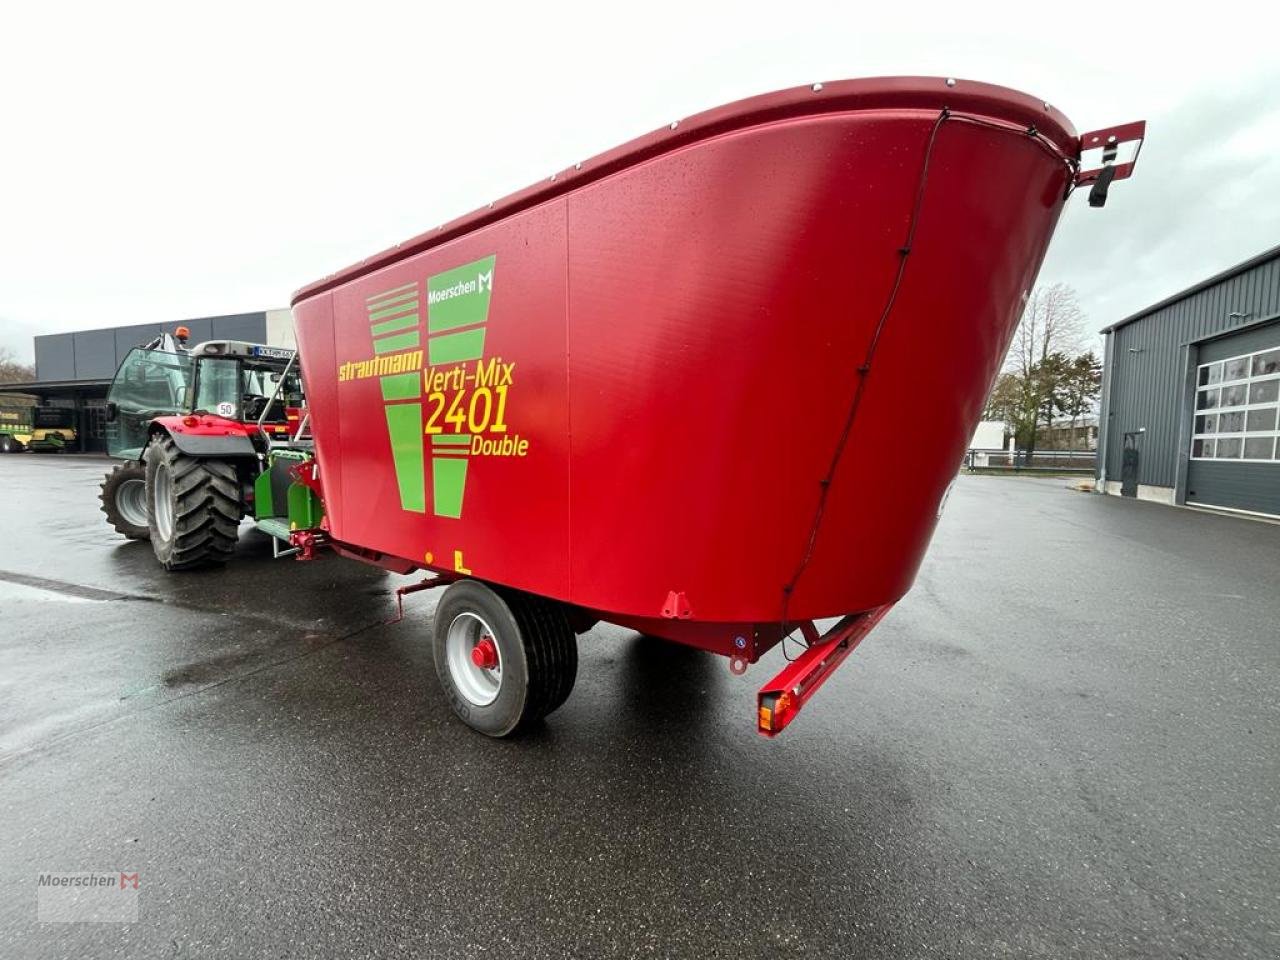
842, 96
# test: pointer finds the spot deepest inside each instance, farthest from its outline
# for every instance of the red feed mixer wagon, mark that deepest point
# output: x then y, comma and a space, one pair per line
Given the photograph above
671, 387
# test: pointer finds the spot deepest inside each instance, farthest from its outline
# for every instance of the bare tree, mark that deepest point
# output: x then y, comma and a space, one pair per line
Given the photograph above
1040, 364
11, 371
1052, 322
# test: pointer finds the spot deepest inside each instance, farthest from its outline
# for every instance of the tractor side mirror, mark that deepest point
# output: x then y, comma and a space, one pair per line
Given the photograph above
112, 411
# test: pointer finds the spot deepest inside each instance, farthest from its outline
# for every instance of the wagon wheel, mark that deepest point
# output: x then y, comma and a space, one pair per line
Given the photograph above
505, 659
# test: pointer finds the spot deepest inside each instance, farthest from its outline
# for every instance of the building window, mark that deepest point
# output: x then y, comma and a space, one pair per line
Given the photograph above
1238, 409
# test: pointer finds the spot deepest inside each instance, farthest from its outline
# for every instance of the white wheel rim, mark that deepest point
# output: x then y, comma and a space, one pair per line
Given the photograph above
479, 685
162, 501
131, 502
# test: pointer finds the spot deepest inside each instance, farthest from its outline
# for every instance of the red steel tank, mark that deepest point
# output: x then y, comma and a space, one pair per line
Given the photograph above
712, 385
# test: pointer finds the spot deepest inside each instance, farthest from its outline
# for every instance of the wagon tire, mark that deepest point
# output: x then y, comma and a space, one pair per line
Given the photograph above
124, 499
193, 507
534, 660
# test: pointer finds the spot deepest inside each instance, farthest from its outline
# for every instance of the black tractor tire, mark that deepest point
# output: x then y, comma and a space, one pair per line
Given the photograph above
537, 653
193, 506
124, 499
9, 445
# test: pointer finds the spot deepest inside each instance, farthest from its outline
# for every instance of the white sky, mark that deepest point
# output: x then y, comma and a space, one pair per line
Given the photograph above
161, 161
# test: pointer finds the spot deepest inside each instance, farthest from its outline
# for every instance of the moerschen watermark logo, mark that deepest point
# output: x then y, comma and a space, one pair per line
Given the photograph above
98, 896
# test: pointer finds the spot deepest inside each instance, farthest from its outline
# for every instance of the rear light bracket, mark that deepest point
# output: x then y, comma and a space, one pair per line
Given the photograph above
779, 701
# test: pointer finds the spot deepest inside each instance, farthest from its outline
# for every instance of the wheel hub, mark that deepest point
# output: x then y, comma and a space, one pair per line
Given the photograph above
485, 653
473, 658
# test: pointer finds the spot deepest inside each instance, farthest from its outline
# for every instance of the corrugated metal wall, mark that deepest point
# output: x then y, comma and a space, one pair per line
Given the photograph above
1148, 380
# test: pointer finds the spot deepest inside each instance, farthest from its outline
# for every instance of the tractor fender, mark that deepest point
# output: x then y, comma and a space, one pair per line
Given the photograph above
223, 446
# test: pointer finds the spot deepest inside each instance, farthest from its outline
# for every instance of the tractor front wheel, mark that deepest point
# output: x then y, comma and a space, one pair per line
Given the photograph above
9, 445
193, 506
124, 499
505, 659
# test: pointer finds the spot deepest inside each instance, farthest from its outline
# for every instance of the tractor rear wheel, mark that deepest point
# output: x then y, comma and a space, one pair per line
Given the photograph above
193, 506
505, 659
9, 445
124, 499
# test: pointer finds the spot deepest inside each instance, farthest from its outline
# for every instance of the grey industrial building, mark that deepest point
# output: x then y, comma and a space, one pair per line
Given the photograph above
1191, 395
75, 369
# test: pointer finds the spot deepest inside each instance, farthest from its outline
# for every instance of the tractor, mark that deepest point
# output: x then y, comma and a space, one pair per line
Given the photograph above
198, 430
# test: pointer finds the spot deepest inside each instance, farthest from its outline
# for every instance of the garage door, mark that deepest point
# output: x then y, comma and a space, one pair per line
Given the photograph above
1235, 444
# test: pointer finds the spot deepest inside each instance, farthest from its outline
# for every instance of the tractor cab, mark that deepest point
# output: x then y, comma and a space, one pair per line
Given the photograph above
252, 385
246, 382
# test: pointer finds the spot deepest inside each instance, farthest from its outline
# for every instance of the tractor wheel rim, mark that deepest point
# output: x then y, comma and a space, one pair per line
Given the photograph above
131, 501
162, 497
480, 685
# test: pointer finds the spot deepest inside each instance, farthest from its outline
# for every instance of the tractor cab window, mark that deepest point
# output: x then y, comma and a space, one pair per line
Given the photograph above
263, 382
218, 388
149, 384
240, 389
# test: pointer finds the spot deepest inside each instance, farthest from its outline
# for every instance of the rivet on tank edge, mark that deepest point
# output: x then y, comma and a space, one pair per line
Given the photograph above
816, 88
674, 124
951, 81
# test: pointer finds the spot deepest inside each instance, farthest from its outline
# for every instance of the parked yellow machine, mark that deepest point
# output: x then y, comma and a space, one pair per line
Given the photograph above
25, 426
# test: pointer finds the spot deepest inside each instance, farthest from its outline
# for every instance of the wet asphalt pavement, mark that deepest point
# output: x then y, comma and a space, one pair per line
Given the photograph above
1065, 742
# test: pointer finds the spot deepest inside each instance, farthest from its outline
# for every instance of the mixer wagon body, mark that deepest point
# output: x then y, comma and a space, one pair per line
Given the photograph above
712, 385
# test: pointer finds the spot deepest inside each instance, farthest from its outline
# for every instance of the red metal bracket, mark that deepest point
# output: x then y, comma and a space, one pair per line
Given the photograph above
308, 542
677, 606
1109, 140
779, 700
307, 473
437, 580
